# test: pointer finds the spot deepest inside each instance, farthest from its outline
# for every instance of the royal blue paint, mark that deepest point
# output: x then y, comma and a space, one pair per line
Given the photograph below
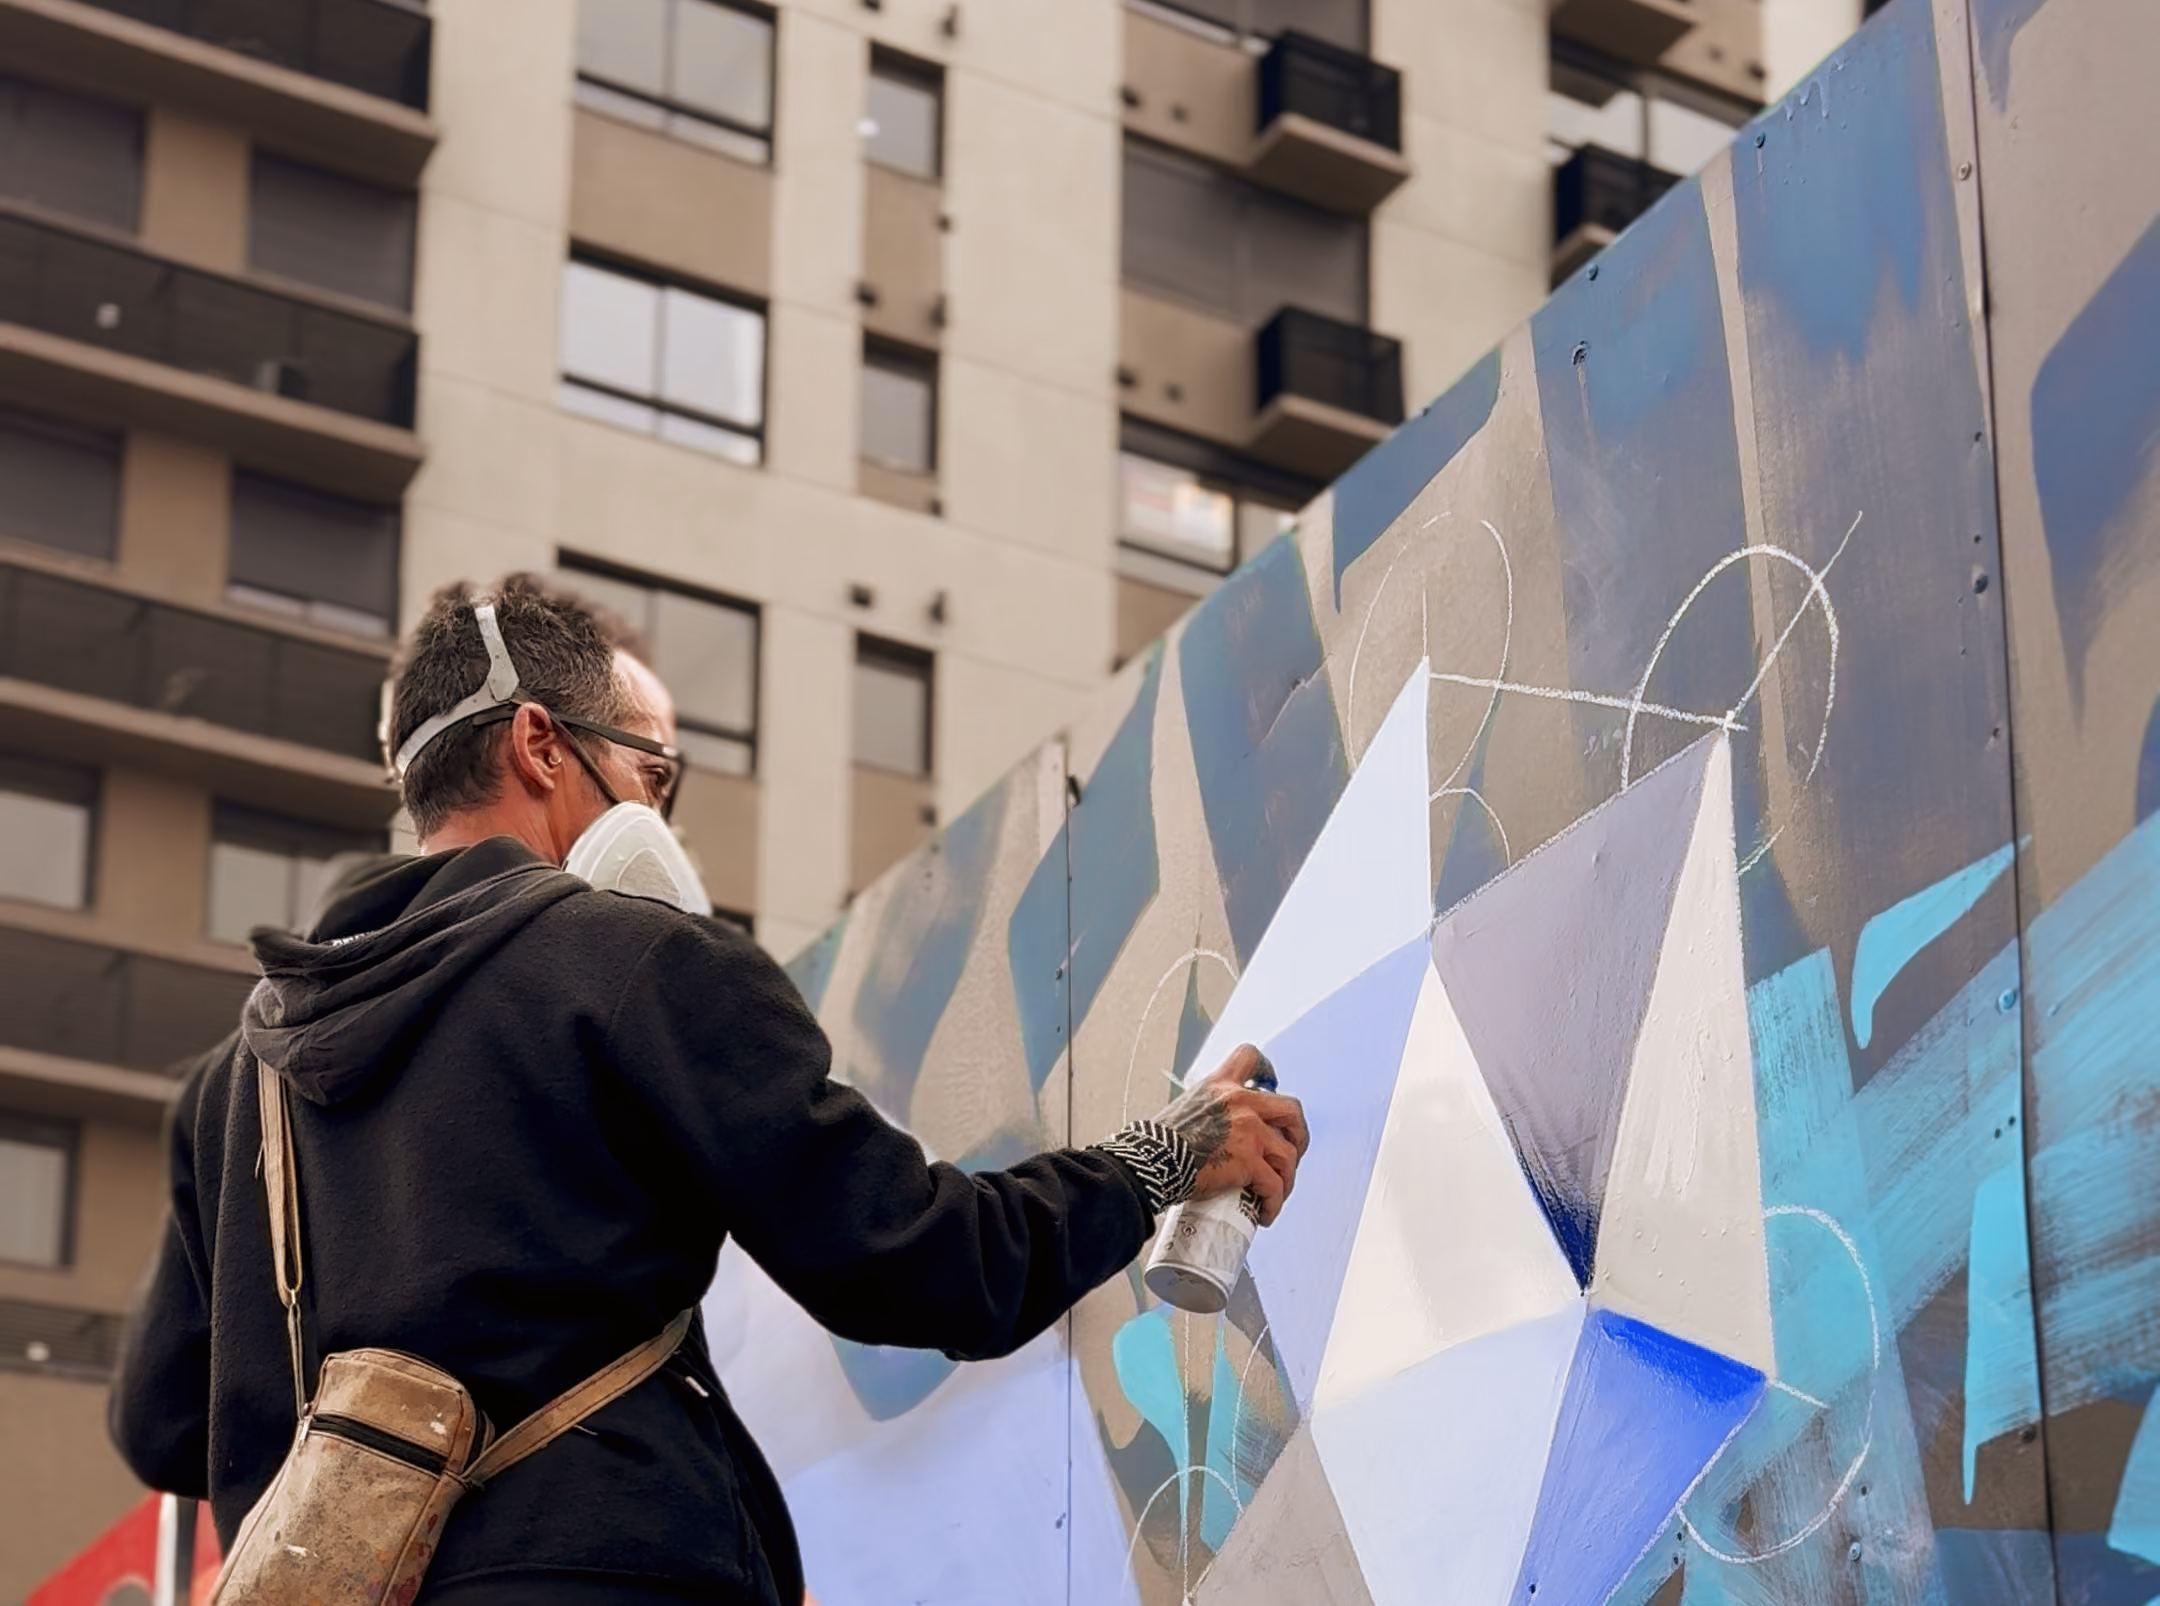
890, 1381
1387, 479
1264, 734
1644, 1413
811, 970
921, 948
2148, 781
1090, 889
1340, 1058
1890, 940
1995, 26
2096, 442
2002, 1368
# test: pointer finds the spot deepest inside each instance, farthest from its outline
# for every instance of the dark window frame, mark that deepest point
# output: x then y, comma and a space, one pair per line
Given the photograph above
278, 485
699, 114
923, 75
571, 564
54, 780
132, 224
895, 357
45, 430
900, 658
284, 834
1246, 481
65, 1135
623, 269
262, 157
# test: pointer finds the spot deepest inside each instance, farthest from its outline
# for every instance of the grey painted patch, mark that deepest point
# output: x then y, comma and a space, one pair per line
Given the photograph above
1290, 1547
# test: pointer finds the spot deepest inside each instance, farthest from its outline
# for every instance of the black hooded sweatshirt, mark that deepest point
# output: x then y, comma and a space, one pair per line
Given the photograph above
528, 1116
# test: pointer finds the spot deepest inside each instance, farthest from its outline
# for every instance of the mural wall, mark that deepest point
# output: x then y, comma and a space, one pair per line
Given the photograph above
1681, 816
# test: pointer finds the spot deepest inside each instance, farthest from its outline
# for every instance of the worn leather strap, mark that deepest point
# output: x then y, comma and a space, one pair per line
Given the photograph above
572, 1406
281, 1190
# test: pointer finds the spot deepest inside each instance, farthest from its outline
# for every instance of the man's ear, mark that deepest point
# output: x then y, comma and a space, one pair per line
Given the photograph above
534, 755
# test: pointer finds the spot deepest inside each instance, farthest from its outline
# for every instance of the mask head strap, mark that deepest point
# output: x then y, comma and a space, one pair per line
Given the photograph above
500, 687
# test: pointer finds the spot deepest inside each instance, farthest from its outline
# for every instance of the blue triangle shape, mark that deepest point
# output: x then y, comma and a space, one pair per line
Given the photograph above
1643, 1415
1340, 1058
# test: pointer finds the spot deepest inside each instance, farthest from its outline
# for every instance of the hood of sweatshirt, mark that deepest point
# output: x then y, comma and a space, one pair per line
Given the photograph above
338, 1010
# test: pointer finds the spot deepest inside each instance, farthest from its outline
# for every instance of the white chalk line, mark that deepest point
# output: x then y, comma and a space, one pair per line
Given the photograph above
1132, 1063
1476, 797
1568, 694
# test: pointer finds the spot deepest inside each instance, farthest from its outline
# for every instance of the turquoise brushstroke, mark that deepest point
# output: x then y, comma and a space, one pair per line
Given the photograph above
2002, 1365
1890, 941
1222, 1502
1145, 1355
2135, 1529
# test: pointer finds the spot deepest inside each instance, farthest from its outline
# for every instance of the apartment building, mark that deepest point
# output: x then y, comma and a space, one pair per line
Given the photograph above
898, 366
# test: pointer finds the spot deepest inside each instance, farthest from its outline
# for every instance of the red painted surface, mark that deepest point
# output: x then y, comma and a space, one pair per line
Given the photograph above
125, 1555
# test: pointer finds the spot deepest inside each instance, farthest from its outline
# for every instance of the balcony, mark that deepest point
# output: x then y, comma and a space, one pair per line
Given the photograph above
1327, 392
91, 1002
1330, 125
1596, 194
379, 47
1638, 32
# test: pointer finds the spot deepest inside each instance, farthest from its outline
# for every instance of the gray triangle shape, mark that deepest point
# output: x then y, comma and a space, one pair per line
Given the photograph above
1289, 1547
1549, 969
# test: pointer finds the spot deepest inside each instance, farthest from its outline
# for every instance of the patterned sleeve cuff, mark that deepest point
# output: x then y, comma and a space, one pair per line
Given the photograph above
1165, 1163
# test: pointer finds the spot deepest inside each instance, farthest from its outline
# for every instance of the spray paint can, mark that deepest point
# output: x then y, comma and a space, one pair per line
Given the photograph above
1202, 1245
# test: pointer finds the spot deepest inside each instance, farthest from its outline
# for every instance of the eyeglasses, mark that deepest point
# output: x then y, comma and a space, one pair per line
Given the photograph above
663, 789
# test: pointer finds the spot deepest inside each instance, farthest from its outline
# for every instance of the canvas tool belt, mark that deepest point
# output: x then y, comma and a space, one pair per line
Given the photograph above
387, 1446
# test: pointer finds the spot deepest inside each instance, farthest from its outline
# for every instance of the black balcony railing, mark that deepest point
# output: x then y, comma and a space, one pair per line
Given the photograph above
84, 638
59, 1341
1597, 187
379, 47
91, 1001
1303, 354
112, 296
1331, 85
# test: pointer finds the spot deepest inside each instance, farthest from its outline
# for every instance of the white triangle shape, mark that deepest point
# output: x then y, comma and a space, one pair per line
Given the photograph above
1452, 1244
1363, 891
1680, 1245
1437, 1472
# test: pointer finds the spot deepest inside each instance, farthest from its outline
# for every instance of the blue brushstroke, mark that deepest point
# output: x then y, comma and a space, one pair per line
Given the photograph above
1387, 479
2090, 1572
2002, 1367
1194, 1023
2148, 781
1228, 1492
1890, 941
921, 949
1097, 878
2096, 441
1264, 734
2000, 1566
811, 970
1340, 1057
1474, 854
890, 1381
2135, 1527
1145, 1356
1643, 1415
1995, 24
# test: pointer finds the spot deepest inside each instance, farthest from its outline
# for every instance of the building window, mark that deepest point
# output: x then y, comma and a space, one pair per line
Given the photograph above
1196, 504
313, 556
653, 357
904, 116
1201, 235
899, 408
691, 68
704, 646
1675, 127
37, 1164
47, 811
330, 231
72, 154
892, 707
59, 485
267, 870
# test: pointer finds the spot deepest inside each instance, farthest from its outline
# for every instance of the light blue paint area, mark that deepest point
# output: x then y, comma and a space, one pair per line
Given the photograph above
1223, 1497
1341, 1057
967, 1500
2098, 1279
1144, 1352
1193, 1023
921, 948
2135, 1527
2000, 1566
2002, 1366
1890, 941
1264, 735
1644, 1414
1387, 479
1995, 25
1637, 407
1837, 203
1097, 878
811, 970
2096, 445
2148, 781
890, 1381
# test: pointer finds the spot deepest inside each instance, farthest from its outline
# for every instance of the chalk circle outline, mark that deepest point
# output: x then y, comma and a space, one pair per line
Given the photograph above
1191, 956
1815, 1524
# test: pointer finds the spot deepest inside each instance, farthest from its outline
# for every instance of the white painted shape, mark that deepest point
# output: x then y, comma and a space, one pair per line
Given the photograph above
1437, 1472
1363, 891
1452, 1244
1680, 1245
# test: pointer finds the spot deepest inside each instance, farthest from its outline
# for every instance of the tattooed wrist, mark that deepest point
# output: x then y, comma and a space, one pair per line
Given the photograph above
1201, 1117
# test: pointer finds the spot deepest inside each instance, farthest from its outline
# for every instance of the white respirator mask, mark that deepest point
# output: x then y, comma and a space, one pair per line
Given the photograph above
631, 849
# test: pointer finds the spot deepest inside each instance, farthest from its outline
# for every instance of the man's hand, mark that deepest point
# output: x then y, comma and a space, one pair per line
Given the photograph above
1244, 1138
